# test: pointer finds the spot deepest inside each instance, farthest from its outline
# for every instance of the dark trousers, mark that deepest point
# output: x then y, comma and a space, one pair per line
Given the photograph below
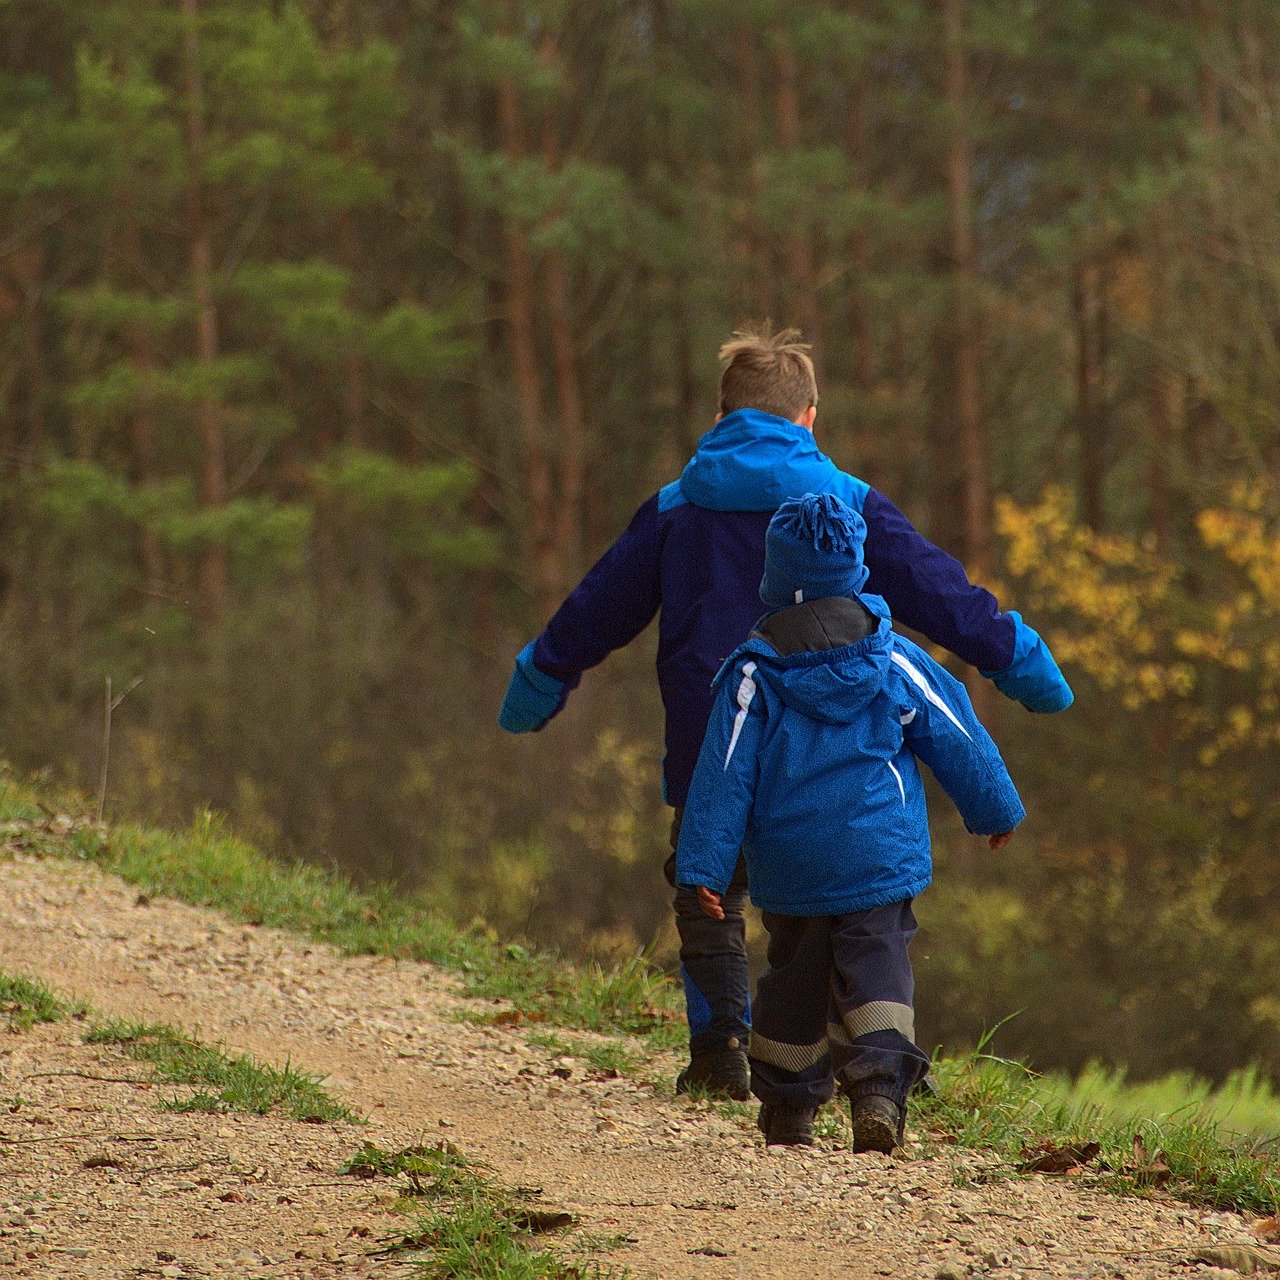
713, 961
835, 1007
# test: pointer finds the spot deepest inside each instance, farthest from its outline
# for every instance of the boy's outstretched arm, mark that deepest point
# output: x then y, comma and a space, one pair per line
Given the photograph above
940, 728
724, 785
930, 591
606, 610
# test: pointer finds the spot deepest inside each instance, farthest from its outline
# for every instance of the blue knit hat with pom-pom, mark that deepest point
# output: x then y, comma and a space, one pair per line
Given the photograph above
813, 550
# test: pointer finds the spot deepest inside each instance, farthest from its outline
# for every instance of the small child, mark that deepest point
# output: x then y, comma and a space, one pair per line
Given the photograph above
809, 768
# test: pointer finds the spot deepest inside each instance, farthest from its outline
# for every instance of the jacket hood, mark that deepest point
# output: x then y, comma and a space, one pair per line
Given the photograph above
833, 686
753, 461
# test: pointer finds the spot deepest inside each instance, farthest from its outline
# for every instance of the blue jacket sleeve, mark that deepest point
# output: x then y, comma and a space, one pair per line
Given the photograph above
940, 728
610, 606
724, 783
930, 591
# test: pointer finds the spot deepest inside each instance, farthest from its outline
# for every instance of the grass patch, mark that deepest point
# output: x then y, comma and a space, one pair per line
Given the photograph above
608, 1057
221, 1082
206, 866
26, 1002
990, 1104
1246, 1103
427, 1171
465, 1227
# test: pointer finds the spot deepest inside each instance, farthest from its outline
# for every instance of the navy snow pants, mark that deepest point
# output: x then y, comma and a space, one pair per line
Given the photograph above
713, 961
835, 1007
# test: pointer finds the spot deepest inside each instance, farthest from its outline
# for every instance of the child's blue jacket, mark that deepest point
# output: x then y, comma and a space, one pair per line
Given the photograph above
695, 551
809, 767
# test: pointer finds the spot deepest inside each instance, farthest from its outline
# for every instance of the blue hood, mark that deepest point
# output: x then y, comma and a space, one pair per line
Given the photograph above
753, 461
833, 686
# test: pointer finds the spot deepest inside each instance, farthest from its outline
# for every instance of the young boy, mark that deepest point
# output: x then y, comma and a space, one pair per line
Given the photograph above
694, 552
809, 769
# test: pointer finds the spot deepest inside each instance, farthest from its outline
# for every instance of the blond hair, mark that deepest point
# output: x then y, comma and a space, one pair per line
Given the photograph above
772, 372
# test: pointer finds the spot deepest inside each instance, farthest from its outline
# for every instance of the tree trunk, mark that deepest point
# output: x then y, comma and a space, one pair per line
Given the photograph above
142, 423
965, 319
355, 372
521, 332
1089, 305
30, 397
1162, 433
1210, 86
801, 285
867, 439
946, 472
756, 281
215, 566
979, 548
568, 527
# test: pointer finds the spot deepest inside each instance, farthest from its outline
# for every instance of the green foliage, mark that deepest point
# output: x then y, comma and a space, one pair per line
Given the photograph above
427, 1171
478, 1236
419, 507
222, 1082
609, 1057
988, 1103
209, 867
27, 1002
408, 341
474, 1228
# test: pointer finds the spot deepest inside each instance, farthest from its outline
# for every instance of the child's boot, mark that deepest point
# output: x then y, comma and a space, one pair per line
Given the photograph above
877, 1123
786, 1126
721, 1071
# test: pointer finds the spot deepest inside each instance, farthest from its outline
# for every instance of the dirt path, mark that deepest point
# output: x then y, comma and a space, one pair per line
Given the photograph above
695, 1195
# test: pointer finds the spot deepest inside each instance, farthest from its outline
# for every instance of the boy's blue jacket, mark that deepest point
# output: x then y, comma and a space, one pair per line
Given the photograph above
695, 550
809, 767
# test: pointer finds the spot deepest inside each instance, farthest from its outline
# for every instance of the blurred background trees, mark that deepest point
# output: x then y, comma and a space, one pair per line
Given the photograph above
337, 337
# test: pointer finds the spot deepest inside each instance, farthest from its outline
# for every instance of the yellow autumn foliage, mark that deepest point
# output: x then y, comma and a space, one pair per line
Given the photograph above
1146, 631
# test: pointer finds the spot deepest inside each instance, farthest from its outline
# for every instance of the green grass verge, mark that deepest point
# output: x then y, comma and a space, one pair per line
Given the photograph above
25, 1002
208, 867
465, 1227
607, 1057
1246, 1103
988, 1103
222, 1082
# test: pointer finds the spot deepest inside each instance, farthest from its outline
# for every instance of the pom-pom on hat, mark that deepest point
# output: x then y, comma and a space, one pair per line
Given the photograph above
813, 550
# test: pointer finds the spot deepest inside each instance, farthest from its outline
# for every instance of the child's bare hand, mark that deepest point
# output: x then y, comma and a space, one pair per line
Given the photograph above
709, 901
999, 842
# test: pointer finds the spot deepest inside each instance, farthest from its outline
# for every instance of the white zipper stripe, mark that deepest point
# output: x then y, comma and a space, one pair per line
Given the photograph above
746, 691
898, 779
926, 688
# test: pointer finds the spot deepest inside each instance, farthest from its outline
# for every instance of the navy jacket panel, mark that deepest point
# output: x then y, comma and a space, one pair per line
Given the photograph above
929, 590
610, 606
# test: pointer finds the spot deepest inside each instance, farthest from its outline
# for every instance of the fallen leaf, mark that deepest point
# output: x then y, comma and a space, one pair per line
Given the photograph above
1267, 1230
1248, 1259
1048, 1157
538, 1221
1147, 1169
